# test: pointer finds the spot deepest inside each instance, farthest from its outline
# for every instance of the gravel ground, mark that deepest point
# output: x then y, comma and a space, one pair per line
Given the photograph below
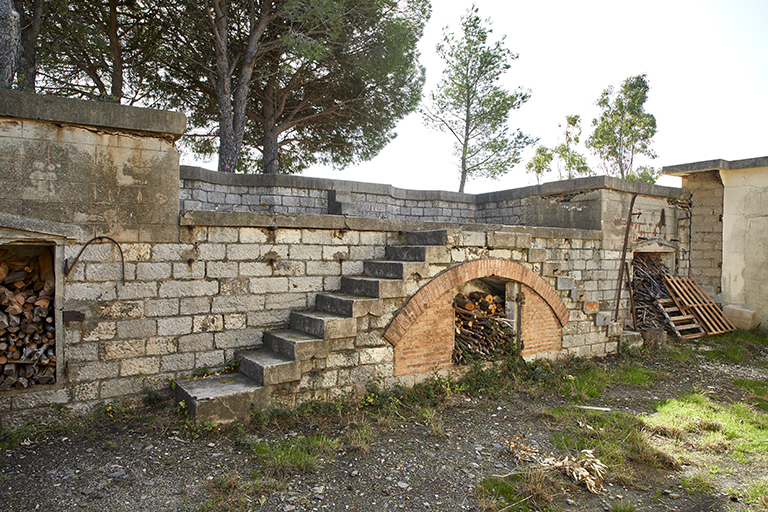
147, 459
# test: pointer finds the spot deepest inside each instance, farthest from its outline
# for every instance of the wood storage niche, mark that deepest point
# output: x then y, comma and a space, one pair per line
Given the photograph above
484, 320
27, 316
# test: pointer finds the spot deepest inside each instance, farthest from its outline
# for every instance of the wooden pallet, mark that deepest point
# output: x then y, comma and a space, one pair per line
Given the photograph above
691, 299
685, 326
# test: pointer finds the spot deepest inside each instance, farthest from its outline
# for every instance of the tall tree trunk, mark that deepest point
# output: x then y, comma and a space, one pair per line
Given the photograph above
9, 42
31, 23
117, 54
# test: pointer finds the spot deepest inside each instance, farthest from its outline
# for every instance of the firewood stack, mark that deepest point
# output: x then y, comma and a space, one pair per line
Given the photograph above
27, 330
647, 286
482, 330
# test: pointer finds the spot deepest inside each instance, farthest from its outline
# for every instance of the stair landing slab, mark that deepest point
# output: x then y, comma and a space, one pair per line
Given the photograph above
221, 398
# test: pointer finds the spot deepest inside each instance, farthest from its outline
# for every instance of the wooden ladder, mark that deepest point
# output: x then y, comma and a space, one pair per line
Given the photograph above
685, 326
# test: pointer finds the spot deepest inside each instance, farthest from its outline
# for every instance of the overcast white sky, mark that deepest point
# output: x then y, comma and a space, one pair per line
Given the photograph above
706, 62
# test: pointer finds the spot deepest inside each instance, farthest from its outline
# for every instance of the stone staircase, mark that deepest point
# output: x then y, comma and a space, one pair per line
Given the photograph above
230, 397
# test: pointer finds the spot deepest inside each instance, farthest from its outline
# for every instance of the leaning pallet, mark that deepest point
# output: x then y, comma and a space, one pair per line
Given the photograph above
691, 299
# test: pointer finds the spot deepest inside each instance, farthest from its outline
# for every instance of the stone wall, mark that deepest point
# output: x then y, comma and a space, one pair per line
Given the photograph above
184, 289
706, 195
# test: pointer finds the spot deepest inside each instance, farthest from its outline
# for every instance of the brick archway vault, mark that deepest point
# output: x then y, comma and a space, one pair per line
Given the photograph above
454, 276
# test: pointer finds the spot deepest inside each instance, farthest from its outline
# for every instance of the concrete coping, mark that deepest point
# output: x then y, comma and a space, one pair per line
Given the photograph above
39, 227
56, 109
577, 185
313, 221
715, 165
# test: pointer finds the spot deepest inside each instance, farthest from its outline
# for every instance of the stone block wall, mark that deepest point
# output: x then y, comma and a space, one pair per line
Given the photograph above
181, 289
706, 195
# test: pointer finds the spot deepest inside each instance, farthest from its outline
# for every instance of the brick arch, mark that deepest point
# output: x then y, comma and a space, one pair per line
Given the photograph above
452, 277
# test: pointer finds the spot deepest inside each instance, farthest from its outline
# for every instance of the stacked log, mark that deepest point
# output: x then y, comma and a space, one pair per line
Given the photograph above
482, 330
27, 330
648, 286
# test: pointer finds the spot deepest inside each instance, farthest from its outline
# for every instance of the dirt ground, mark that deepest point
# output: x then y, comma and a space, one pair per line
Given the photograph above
148, 459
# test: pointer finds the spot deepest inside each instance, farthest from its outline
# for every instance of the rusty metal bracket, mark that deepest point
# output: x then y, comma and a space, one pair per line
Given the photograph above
623, 258
68, 269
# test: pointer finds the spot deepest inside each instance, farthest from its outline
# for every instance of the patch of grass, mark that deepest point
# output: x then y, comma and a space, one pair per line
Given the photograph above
757, 494
636, 375
294, 456
432, 420
359, 438
697, 484
680, 353
231, 493
587, 384
735, 428
530, 489
619, 440
623, 506
735, 347
758, 391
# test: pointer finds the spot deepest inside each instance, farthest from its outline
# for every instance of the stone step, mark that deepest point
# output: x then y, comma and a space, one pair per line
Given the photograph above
434, 237
374, 287
324, 325
221, 398
345, 304
395, 269
428, 253
295, 345
268, 367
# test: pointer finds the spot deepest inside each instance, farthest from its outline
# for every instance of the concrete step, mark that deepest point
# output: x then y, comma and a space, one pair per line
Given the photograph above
221, 398
428, 253
295, 345
434, 237
374, 287
345, 304
324, 325
395, 269
268, 367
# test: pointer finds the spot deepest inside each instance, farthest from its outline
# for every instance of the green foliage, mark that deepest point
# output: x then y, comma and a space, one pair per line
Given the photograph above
636, 375
99, 51
734, 428
530, 489
698, 483
619, 440
757, 494
294, 456
290, 83
232, 493
570, 163
645, 174
471, 106
758, 391
624, 129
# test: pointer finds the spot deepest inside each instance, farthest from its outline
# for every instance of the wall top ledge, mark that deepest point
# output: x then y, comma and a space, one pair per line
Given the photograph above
553, 188
56, 109
306, 221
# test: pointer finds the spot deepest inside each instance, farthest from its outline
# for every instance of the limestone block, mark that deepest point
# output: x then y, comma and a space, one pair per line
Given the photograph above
565, 283
343, 359
122, 349
740, 316
614, 329
139, 366
174, 326
537, 255
196, 342
378, 355
577, 294
603, 318
207, 323
550, 269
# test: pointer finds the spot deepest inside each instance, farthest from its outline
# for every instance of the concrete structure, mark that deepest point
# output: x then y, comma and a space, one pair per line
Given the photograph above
319, 286
729, 233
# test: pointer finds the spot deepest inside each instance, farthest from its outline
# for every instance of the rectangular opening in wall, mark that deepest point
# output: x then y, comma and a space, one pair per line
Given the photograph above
27, 319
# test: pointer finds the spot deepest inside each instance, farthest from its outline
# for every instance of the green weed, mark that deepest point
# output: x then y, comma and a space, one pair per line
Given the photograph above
294, 456
618, 439
758, 391
735, 428
757, 494
231, 493
359, 438
697, 484
636, 375
530, 489
623, 507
